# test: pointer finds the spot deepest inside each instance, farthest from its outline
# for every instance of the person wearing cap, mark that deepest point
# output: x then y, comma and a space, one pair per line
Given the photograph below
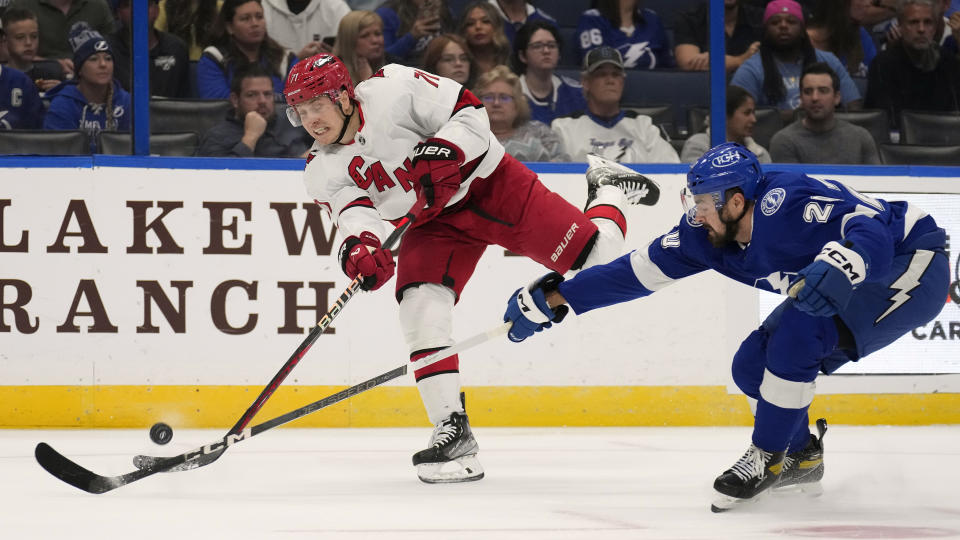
773, 76
93, 101
604, 128
630, 28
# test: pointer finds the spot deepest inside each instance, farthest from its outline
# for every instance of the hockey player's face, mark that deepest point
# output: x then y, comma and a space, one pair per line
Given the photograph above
247, 25
23, 38
817, 97
322, 119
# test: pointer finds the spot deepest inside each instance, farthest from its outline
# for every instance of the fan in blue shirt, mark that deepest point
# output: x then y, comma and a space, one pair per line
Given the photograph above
642, 40
20, 106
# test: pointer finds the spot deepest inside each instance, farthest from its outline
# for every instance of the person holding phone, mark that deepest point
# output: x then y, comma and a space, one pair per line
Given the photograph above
410, 25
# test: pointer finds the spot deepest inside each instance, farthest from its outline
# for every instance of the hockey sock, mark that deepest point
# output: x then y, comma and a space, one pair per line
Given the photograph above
774, 427
441, 395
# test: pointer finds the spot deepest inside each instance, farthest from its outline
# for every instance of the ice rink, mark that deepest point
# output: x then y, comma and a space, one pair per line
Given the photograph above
541, 483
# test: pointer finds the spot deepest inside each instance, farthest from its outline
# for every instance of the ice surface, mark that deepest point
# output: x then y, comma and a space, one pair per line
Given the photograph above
541, 483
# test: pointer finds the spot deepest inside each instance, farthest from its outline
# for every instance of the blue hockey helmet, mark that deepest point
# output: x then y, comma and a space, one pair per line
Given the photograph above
724, 166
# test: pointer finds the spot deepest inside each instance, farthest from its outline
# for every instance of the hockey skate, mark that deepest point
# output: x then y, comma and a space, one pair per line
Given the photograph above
452, 455
803, 469
603, 172
755, 472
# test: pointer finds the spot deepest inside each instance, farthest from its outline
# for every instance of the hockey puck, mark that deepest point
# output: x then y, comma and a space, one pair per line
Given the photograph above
161, 433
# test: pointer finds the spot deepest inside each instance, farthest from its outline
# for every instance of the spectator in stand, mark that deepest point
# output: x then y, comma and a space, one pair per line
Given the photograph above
483, 30
301, 25
448, 56
93, 101
835, 26
820, 137
741, 117
169, 58
56, 18
360, 44
21, 35
516, 13
773, 76
524, 139
239, 38
20, 105
604, 128
913, 73
190, 20
410, 25
536, 51
628, 27
252, 128
742, 31
947, 32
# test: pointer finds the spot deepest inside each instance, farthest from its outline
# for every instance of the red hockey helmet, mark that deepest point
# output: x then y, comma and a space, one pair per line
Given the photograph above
320, 75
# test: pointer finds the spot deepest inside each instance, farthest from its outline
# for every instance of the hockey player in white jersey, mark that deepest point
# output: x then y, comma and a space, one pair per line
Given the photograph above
860, 273
406, 142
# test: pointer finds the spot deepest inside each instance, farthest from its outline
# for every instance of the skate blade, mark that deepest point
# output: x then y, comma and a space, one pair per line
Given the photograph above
810, 489
725, 502
462, 469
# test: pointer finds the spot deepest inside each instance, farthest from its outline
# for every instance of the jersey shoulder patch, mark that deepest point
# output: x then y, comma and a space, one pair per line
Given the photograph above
772, 201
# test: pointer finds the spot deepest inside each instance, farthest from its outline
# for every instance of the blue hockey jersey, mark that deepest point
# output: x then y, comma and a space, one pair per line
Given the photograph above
647, 46
793, 218
69, 109
20, 105
567, 98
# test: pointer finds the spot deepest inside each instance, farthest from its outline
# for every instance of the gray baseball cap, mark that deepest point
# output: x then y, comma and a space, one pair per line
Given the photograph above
600, 56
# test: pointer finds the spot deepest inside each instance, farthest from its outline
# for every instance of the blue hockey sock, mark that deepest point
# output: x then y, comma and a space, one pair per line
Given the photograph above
775, 428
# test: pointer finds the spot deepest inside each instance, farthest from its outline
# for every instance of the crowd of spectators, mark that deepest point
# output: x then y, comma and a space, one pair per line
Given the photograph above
554, 91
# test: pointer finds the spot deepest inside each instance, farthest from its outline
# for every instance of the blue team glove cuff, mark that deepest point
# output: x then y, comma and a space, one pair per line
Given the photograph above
528, 310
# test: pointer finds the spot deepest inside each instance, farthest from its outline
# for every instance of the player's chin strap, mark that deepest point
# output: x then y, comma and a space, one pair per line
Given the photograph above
346, 119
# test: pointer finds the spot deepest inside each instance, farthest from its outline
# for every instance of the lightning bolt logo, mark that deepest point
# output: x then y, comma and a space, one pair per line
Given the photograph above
635, 52
907, 281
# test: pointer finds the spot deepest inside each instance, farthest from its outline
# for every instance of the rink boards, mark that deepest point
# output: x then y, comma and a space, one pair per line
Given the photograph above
137, 294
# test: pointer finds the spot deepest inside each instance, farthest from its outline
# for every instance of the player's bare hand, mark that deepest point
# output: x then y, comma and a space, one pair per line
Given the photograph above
425, 27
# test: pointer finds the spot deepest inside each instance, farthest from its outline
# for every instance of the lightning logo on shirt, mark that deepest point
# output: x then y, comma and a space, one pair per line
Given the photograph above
907, 281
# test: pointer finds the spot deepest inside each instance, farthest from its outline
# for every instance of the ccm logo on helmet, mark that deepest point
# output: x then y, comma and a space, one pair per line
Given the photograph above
726, 159
438, 151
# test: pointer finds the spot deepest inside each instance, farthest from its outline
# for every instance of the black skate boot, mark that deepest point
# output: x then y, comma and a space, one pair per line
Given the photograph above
603, 172
803, 469
750, 476
452, 455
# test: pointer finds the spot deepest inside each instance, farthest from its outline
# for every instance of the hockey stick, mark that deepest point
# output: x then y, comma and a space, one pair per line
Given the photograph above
141, 461
75, 475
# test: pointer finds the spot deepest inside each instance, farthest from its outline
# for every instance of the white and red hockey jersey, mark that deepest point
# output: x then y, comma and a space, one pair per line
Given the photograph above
369, 180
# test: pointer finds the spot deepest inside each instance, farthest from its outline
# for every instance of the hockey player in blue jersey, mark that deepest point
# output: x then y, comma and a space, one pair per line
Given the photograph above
859, 273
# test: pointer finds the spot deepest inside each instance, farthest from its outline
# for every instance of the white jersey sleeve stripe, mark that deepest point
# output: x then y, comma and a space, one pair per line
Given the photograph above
648, 274
860, 210
911, 218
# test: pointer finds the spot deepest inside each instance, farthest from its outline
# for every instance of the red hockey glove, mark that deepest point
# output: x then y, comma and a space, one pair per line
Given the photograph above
436, 168
376, 265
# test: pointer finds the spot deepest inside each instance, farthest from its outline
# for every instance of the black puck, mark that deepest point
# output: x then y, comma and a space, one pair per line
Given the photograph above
161, 433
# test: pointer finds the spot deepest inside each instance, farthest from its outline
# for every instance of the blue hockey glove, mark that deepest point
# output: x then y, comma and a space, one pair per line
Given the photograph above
828, 282
527, 308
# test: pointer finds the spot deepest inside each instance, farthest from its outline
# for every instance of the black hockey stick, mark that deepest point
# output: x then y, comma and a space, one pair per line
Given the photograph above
75, 475
141, 461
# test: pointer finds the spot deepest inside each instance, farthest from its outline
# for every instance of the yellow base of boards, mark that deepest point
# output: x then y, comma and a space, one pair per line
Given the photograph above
400, 406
